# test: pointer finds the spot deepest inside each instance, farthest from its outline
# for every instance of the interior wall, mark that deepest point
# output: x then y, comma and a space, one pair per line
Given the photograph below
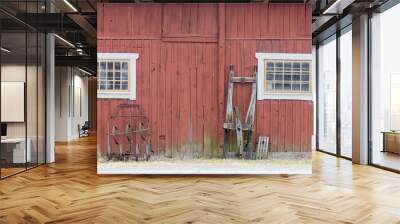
80, 104
71, 102
61, 105
16, 73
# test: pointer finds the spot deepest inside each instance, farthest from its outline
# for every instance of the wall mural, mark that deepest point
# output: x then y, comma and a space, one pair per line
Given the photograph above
204, 89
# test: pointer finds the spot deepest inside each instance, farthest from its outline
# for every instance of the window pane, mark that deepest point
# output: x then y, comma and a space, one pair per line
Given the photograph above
270, 75
110, 65
288, 71
117, 65
103, 65
117, 85
110, 85
288, 77
124, 85
304, 87
296, 86
288, 86
110, 76
278, 85
346, 94
270, 66
327, 97
288, 66
278, 67
125, 76
296, 67
125, 66
296, 76
385, 87
305, 67
305, 77
102, 75
117, 76
102, 85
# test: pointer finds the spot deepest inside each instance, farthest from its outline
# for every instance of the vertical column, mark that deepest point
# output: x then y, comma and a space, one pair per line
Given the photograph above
338, 91
50, 92
314, 144
360, 90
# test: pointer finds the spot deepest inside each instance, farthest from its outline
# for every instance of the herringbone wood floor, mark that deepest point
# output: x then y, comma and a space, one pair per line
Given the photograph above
69, 191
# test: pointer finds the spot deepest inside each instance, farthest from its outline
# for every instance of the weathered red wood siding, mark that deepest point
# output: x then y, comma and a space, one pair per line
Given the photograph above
184, 54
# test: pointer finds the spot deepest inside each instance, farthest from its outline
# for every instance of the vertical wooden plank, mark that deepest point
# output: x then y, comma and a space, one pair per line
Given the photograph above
100, 20
162, 86
298, 126
175, 95
221, 68
154, 91
207, 77
307, 26
200, 94
100, 138
302, 125
265, 20
192, 98
274, 125
185, 117
228, 20
281, 126
256, 20
289, 121
168, 103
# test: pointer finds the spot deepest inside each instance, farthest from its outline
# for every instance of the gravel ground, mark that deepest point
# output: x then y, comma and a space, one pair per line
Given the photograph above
204, 166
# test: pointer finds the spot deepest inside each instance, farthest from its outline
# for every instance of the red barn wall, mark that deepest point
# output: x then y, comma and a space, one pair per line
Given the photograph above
184, 54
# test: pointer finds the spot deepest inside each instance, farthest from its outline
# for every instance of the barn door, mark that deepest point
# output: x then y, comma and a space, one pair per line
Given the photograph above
190, 99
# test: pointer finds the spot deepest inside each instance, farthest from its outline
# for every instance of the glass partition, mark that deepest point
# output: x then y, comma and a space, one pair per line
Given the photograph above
22, 88
327, 96
31, 97
346, 93
14, 154
385, 89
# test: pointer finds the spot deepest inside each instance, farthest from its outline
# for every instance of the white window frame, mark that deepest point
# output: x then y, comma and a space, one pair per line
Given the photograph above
262, 95
131, 94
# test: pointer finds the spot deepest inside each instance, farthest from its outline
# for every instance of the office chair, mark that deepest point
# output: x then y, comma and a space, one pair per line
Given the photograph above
84, 130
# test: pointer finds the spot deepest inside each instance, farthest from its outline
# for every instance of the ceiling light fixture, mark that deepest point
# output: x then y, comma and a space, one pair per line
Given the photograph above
64, 40
70, 5
5, 50
84, 71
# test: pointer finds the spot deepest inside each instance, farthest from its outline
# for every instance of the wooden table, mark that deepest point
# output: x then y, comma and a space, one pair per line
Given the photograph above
13, 150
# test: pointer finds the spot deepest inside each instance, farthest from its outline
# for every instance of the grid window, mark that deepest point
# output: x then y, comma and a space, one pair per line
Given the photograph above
287, 76
113, 76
